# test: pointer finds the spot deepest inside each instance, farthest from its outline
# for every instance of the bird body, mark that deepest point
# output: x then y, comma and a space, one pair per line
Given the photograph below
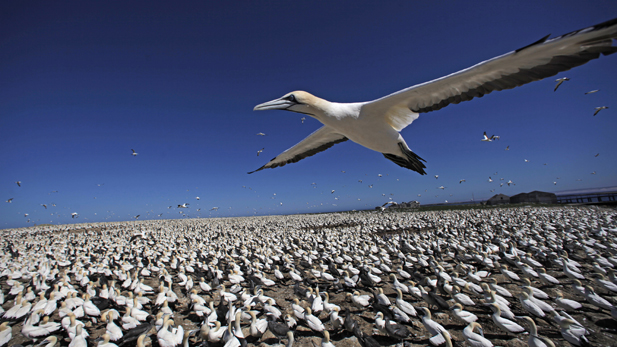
475, 340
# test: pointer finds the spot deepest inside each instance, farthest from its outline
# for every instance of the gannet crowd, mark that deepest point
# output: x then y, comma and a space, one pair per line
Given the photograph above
537, 276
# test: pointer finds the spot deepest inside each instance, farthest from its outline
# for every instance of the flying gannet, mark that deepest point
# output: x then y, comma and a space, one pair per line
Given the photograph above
598, 109
376, 124
560, 81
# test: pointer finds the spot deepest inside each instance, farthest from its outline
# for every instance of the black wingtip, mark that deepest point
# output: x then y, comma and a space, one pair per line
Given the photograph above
542, 40
412, 162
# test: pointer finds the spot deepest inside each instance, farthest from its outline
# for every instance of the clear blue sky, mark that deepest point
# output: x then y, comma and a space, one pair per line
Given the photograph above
82, 83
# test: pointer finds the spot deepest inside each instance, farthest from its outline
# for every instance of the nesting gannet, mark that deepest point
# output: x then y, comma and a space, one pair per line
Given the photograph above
376, 124
559, 82
598, 109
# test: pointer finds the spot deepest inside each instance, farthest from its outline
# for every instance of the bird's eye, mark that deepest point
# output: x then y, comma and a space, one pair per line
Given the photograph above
292, 98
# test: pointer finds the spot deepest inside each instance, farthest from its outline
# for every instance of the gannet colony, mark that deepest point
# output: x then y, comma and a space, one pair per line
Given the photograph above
537, 276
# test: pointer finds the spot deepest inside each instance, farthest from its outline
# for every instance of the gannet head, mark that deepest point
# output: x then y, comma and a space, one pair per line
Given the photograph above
297, 101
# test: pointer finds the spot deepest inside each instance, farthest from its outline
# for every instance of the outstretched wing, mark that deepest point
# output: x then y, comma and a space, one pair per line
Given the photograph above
536, 61
322, 139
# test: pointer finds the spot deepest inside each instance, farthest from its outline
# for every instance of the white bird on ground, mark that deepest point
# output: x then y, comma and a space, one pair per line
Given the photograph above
463, 315
476, 340
436, 330
376, 124
536, 340
504, 323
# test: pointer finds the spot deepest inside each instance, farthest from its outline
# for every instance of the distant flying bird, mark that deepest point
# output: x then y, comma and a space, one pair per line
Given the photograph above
555, 183
510, 182
507, 148
376, 124
560, 81
18, 183
593, 173
134, 153
461, 181
592, 91
332, 192
26, 215
527, 161
598, 109
360, 181
380, 175
214, 209
259, 151
185, 205
261, 134
490, 179
136, 217
343, 171
44, 206
10, 201
436, 176
303, 119
370, 186
74, 214
196, 198
442, 187
597, 155
485, 138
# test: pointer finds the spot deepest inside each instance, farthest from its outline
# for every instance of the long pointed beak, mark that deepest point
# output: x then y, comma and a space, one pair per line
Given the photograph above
277, 104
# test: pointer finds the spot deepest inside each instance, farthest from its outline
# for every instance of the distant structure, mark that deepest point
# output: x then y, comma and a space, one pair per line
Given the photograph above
499, 199
535, 197
403, 205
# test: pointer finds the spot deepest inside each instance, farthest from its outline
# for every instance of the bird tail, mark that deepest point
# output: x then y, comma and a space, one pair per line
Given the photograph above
412, 161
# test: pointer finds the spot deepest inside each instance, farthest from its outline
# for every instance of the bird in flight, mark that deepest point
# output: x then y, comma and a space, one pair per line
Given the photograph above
592, 91
598, 109
376, 124
74, 214
134, 153
261, 134
259, 151
185, 205
560, 81
507, 148
597, 155
19, 182
10, 201
485, 138
461, 181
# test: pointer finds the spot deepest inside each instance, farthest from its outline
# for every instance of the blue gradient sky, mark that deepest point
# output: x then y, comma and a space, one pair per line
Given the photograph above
83, 83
